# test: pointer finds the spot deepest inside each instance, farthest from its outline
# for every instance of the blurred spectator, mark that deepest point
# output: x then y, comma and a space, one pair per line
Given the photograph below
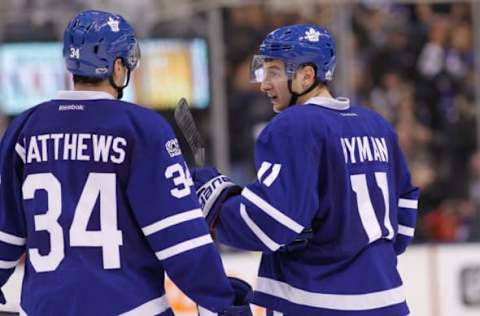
474, 192
451, 221
414, 138
460, 143
4, 121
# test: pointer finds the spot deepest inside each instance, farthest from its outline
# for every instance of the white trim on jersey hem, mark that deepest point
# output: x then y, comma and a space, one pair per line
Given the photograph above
267, 241
342, 302
21, 312
11, 239
153, 307
183, 247
202, 311
8, 264
172, 220
408, 203
405, 230
271, 211
82, 95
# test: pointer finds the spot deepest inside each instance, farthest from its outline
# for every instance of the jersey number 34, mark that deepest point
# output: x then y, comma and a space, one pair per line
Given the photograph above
109, 238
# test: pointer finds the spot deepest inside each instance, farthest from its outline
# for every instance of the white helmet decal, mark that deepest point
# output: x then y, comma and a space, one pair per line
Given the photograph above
113, 24
311, 35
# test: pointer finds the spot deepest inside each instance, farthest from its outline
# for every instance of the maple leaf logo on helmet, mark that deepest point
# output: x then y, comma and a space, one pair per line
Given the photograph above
114, 24
311, 35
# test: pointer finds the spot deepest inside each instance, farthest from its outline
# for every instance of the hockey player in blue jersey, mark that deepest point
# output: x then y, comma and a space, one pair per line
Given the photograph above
332, 206
97, 194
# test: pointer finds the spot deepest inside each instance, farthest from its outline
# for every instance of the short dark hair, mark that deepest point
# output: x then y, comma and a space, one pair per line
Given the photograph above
89, 80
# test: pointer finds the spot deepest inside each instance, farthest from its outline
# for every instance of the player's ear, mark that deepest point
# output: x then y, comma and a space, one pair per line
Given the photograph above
308, 74
119, 72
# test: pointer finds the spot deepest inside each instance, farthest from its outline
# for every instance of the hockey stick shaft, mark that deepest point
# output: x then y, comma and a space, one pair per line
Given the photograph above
186, 123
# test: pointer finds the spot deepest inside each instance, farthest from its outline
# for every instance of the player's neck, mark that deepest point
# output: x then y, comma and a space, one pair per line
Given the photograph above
103, 86
320, 91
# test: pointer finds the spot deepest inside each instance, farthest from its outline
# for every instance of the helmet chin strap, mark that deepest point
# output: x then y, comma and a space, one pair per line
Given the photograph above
120, 88
295, 95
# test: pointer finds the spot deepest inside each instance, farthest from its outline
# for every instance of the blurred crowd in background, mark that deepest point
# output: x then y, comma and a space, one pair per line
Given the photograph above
412, 62
415, 66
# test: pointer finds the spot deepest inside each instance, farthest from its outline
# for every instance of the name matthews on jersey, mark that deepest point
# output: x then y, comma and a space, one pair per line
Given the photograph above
72, 146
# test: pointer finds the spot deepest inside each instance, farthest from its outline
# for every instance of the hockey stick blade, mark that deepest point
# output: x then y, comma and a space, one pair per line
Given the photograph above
184, 120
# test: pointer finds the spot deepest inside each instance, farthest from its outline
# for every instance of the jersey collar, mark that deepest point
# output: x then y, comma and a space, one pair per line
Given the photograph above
82, 95
340, 103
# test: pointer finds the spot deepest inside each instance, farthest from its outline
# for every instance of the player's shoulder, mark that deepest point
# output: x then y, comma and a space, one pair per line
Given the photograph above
294, 116
291, 124
19, 121
365, 111
361, 109
373, 116
16, 127
297, 118
144, 118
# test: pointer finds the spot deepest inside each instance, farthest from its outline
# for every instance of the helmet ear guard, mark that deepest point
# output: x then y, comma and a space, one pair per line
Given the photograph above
133, 57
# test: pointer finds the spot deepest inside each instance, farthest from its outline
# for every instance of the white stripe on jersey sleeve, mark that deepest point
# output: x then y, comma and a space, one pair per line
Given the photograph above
408, 203
202, 311
263, 168
341, 302
267, 241
11, 239
8, 264
184, 246
153, 307
172, 220
405, 230
273, 175
20, 151
271, 211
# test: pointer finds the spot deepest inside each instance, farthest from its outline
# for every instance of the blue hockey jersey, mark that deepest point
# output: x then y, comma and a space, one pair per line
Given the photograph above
337, 169
97, 194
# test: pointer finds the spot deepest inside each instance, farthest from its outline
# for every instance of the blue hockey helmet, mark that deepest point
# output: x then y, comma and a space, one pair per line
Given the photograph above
93, 40
297, 45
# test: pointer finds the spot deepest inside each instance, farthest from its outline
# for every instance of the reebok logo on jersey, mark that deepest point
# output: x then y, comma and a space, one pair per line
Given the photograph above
173, 148
71, 107
268, 172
